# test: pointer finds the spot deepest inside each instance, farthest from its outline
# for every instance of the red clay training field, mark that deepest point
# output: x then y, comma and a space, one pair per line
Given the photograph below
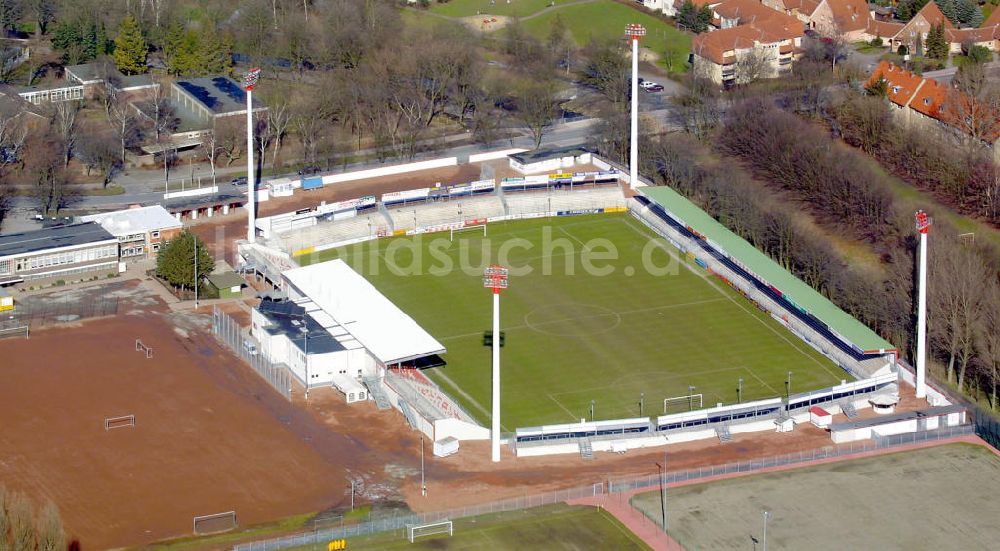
209, 435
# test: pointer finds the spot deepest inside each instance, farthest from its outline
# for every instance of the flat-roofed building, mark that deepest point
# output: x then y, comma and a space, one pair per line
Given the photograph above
140, 231
60, 252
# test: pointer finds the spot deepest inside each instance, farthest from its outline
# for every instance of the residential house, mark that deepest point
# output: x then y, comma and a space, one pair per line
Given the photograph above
841, 18
915, 30
140, 231
921, 101
800, 9
723, 56
732, 13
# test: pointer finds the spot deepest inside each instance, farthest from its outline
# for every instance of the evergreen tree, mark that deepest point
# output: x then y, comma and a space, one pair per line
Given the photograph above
948, 8
130, 48
879, 87
215, 53
693, 18
969, 13
89, 44
937, 45
176, 264
103, 44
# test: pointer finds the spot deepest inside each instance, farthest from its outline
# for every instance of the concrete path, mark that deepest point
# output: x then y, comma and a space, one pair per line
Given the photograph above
648, 531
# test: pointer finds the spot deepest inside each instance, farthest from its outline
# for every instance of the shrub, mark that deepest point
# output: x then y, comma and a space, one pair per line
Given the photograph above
877, 41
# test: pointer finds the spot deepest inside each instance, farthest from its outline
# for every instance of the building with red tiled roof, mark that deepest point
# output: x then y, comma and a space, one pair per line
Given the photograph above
718, 54
843, 18
922, 100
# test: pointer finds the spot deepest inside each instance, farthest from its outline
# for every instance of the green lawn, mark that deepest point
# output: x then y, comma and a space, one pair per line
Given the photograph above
554, 527
606, 19
514, 8
573, 336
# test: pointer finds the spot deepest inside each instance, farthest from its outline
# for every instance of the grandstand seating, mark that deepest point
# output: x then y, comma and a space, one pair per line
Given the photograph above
332, 231
556, 201
445, 212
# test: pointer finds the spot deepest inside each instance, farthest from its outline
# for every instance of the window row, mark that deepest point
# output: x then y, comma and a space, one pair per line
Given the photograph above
70, 257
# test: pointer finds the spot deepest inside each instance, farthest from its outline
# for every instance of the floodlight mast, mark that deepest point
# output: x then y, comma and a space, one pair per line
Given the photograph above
634, 31
249, 81
923, 224
495, 277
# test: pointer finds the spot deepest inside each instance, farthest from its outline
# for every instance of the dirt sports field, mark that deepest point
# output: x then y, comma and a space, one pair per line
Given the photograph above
209, 435
941, 497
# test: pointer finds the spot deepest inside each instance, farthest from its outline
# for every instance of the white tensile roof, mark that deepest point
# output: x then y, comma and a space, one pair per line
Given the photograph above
131, 221
386, 331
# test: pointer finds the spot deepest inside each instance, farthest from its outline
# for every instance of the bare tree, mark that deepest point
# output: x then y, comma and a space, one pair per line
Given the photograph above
955, 295
51, 535
230, 137
210, 149
699, 105
752, 65
64, 114
122, 118
100, 152
537, 107
278, 119
973, 105
989, 338
22, 523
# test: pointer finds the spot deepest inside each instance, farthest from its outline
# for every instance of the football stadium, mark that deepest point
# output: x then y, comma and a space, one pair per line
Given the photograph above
628, 318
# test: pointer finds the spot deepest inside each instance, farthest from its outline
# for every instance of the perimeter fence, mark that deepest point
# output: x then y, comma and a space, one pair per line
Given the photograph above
230, 333
397, 521
35, 313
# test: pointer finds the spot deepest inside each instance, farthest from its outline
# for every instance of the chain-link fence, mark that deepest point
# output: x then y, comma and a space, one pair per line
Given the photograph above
36, 313
398, 520
230, 333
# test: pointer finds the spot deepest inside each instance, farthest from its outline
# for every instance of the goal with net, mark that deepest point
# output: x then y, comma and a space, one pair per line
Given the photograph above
473, 228
414, 531
682, 403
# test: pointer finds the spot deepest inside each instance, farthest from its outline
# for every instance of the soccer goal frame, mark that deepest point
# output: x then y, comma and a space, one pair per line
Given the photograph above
216, 523
119, 422
140, 347
692, 401
428, 529
453, 231
14, 331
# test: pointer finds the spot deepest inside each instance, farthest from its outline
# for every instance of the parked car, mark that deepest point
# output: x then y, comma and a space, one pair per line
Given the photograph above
651, 86
309, 170
240, 181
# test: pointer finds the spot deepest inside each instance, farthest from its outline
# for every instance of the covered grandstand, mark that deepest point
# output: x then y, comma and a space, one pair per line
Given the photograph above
712, 240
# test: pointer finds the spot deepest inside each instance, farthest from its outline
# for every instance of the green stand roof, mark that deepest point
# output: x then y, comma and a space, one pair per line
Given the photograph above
794, 289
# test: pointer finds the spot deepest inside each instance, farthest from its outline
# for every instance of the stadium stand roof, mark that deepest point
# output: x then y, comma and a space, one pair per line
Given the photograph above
794, 289
380, 326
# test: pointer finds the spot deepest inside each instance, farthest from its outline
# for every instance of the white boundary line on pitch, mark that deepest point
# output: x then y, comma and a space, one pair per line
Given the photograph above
705, 277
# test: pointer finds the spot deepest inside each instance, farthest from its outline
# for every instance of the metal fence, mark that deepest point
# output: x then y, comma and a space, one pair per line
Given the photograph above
37, 313
230, 333
399, 521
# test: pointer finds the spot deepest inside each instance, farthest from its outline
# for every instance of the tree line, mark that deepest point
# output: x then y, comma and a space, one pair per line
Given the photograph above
761, 159
23, 528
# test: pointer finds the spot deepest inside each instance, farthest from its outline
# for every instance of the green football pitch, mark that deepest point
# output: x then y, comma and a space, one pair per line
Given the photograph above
600, 313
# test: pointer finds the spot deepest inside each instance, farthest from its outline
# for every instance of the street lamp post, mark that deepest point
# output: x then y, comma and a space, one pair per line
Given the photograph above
249, 81
788, 386
739, 391
763, 540
691, 397
642, 399
592, 403
495, 278
634, 32
305, 336
195, 237
423, 484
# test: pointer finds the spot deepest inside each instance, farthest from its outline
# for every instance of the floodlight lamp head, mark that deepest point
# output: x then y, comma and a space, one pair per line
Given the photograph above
923, 222
495, 277
635, 31
251, 78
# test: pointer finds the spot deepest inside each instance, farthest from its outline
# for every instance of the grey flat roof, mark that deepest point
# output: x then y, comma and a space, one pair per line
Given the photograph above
896, 417
287, 319
220, 94
51, 238
227, 195
547, 153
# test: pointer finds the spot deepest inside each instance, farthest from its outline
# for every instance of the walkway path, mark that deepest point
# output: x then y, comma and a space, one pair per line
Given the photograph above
648, 531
